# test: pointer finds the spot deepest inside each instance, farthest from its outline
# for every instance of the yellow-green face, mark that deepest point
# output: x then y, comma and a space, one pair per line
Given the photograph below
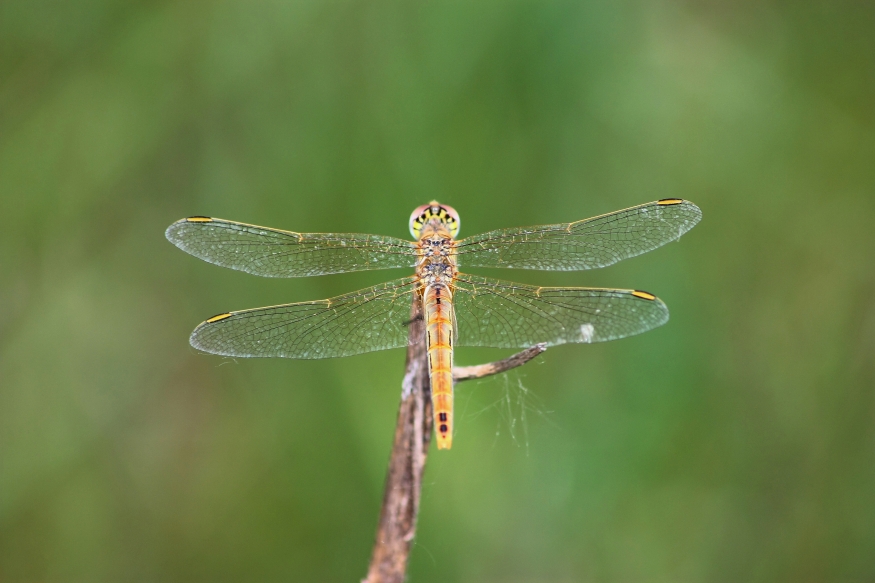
434, 211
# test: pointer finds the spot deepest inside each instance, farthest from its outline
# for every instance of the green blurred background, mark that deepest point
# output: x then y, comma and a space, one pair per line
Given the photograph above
735, 443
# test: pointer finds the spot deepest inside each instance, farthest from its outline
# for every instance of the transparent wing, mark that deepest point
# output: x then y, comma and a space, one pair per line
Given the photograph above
275, 253
363, 321
585, 244
503, 314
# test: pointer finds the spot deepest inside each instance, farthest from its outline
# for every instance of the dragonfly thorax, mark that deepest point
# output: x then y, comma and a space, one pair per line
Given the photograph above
437, 260
436, 247
436, 273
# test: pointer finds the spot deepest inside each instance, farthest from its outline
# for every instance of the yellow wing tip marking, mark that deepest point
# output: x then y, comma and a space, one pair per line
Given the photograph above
643, 295
199, 220
218, 318
669, 201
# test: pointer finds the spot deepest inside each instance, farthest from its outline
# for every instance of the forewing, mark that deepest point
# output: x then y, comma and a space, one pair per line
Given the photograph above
275, 253
503, 314
363, 321
585, 244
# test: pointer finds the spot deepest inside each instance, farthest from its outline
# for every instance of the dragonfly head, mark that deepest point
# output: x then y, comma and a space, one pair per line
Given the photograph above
434, 212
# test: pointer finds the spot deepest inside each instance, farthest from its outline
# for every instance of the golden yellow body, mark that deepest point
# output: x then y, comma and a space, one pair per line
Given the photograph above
436, 269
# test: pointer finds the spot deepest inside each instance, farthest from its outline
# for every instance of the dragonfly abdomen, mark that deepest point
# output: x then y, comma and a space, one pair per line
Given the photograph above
438, 300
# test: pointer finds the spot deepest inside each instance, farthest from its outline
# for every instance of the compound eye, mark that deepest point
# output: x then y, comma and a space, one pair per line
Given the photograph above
422, 214
452, 221
417, 219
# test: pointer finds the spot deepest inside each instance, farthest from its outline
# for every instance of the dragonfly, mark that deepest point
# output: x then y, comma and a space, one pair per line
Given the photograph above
459, 309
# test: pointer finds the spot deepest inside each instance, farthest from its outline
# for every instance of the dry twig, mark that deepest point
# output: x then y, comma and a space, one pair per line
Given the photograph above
397, 525
467, 373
